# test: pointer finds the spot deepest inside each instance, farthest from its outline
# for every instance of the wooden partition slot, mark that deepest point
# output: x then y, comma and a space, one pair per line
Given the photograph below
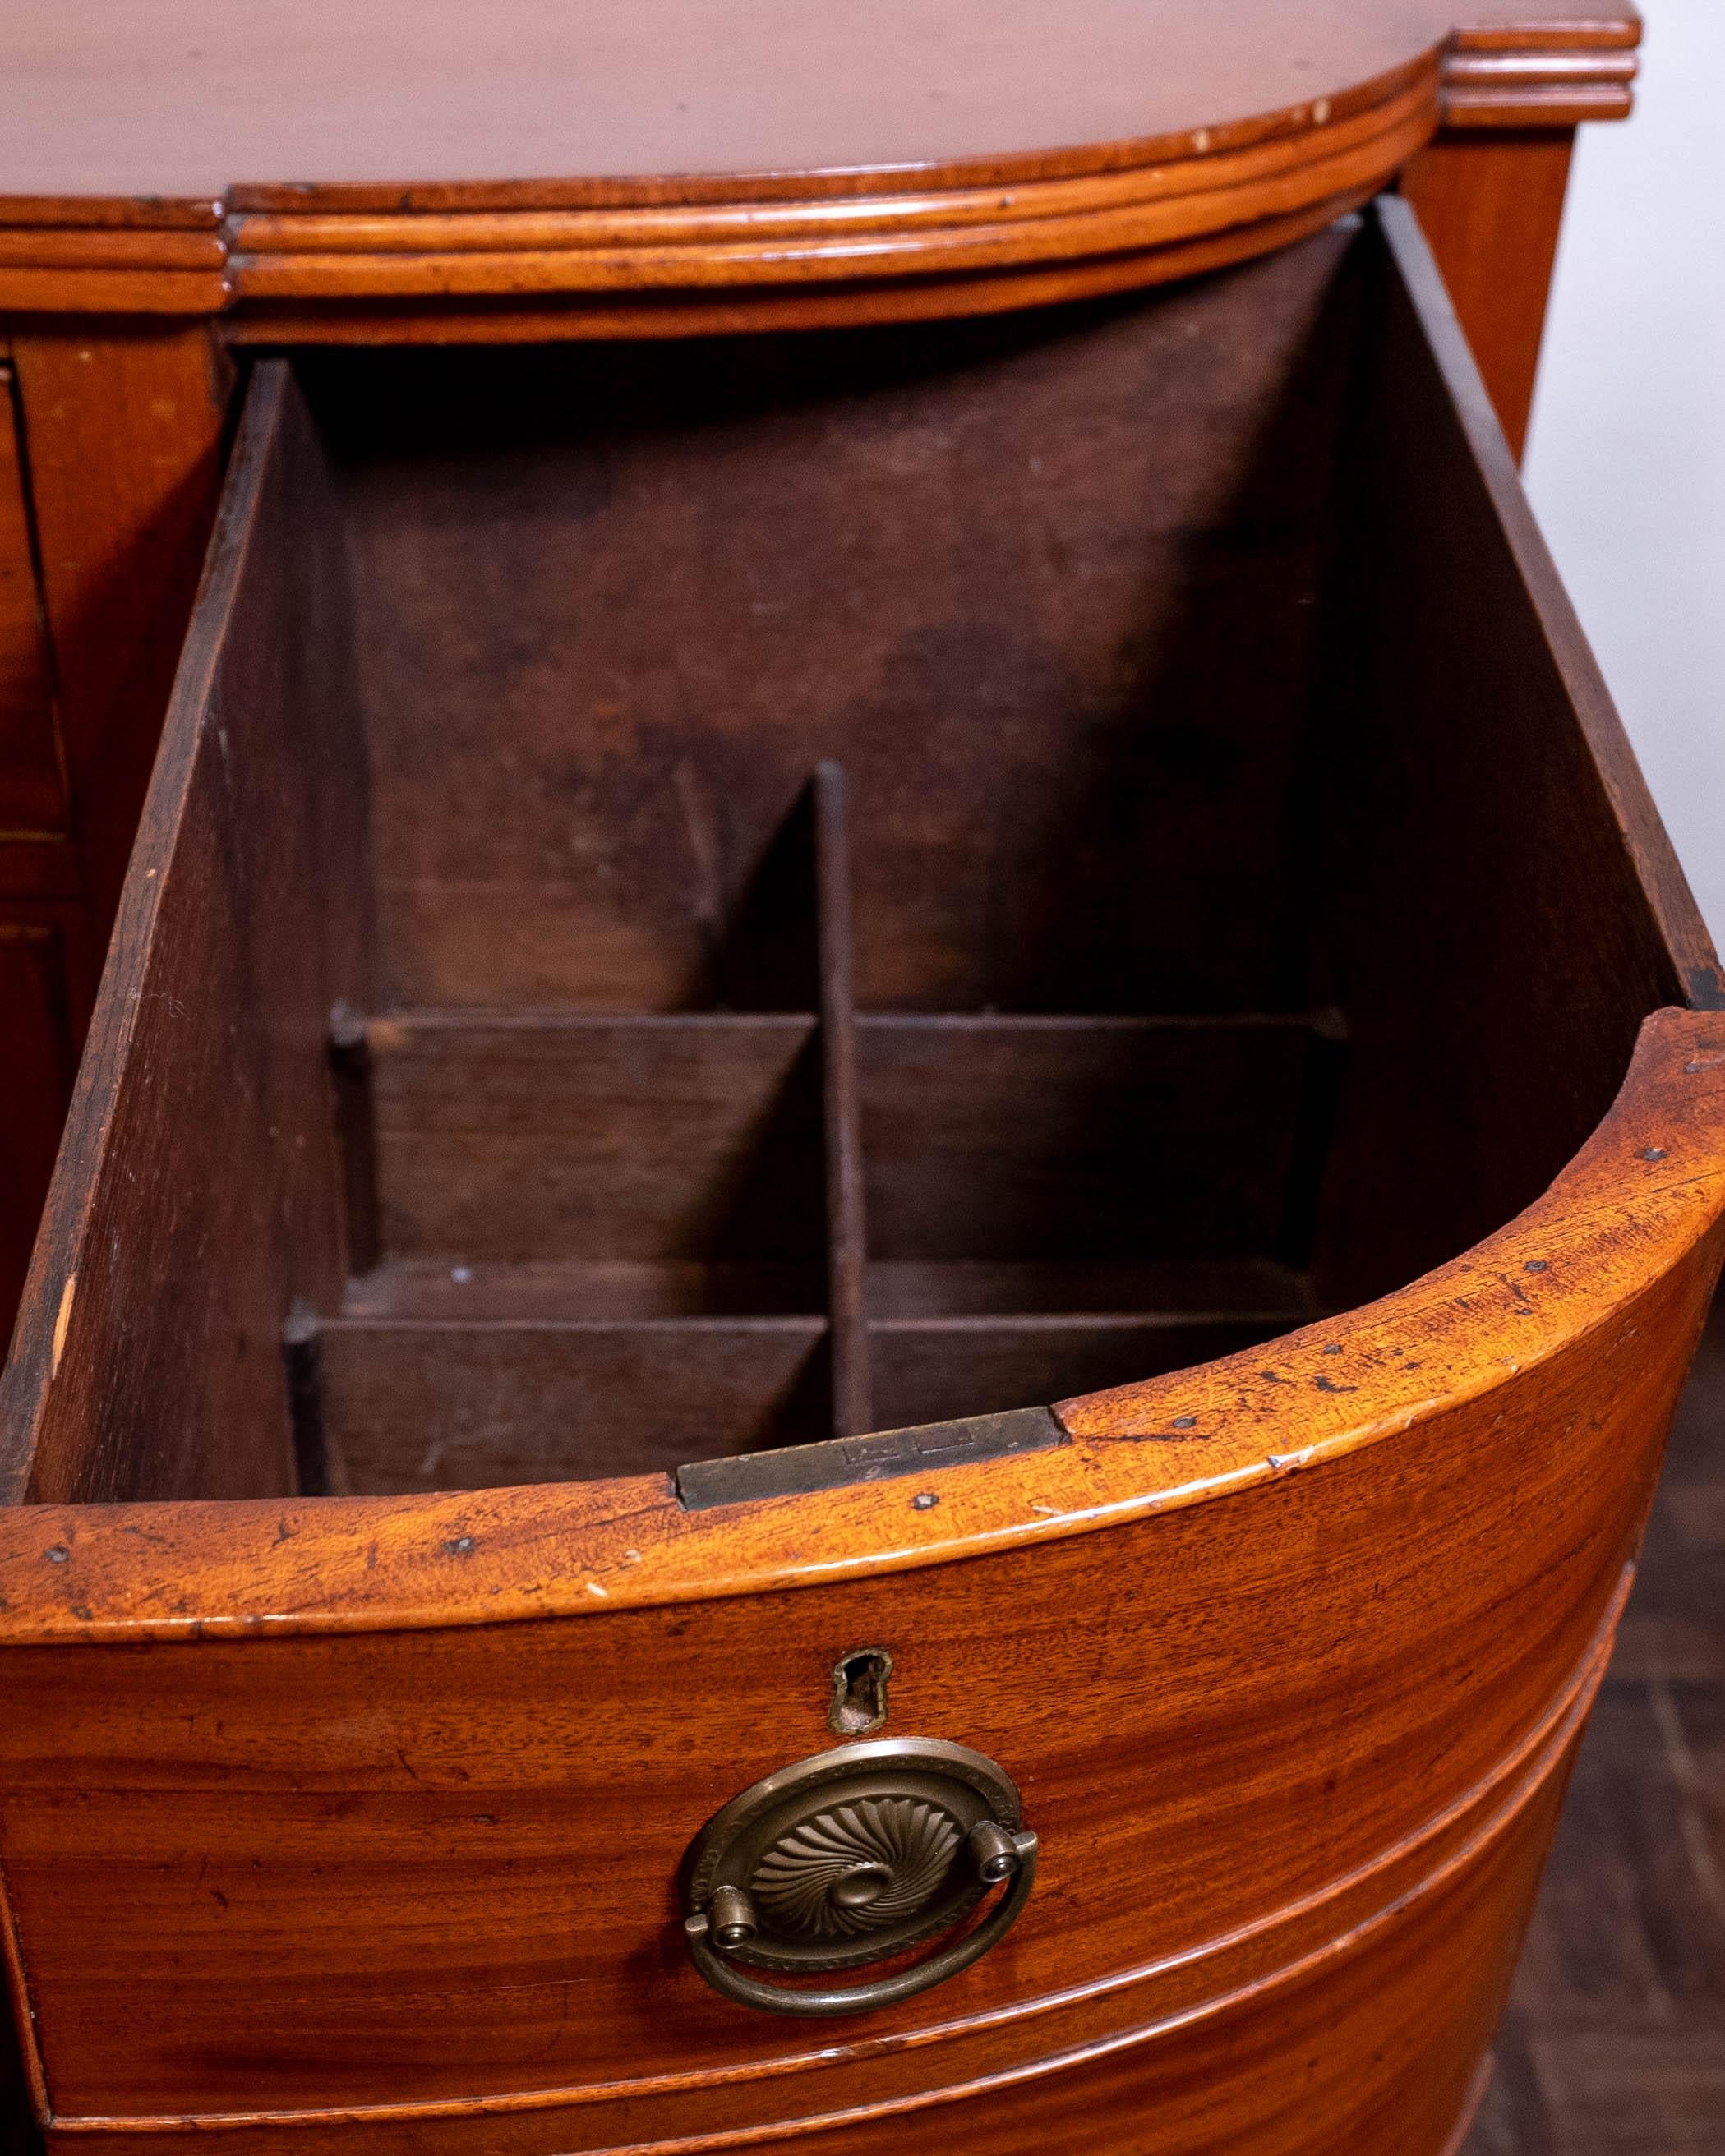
591, 1245
1166, 716
1002, 1335
847, 1230
602, 1247
1058, 1204
606, 1242
423, 1404
1080, 1139
931, 1369
522, 1136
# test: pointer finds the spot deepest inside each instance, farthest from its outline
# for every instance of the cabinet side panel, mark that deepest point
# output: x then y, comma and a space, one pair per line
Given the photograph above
195, 1193
1507, 907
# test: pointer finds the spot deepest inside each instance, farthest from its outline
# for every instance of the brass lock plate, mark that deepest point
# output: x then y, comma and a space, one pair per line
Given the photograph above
855, 1854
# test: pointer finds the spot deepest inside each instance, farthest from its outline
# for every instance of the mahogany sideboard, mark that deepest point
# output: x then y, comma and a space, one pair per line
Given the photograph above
904, 1130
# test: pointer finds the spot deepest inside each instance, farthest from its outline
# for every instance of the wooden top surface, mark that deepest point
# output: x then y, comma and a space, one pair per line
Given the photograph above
183, 98
375, 169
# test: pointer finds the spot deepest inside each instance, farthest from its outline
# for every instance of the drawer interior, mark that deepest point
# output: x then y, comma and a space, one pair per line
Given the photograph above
862, 765
725, 893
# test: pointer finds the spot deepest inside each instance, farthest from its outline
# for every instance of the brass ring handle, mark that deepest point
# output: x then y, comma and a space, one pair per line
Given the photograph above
726, 1976
854, 1855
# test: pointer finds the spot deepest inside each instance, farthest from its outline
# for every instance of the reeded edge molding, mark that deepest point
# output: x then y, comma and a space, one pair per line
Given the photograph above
1459, 1835
531, 318
1553, 75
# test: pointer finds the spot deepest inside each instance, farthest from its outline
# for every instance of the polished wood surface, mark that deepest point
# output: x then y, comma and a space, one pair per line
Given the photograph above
124, 434
111, 437
181, 104
1615, 2033
1491, 205
380, 1796
38, 878
317, 175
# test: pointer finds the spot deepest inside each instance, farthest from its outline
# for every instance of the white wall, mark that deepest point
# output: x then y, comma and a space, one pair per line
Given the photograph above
1626, 457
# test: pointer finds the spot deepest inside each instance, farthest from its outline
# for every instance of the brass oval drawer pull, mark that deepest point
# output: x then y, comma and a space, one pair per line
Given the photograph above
855, 1855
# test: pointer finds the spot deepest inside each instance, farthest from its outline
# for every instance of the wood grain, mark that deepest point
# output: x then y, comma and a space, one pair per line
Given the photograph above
847, 1236
461, 1404
1045, 587
1079, 1139
227, 958
1612, 2038
383, 100
1491, 206
1447, 673
939, 142
355, 1821
40, 1059
32, 799
522, 1136
123, 423
387, 175
1523, 1544
1485, 1317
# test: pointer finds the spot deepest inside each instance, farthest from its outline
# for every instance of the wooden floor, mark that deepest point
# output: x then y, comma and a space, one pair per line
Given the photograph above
1614, 2041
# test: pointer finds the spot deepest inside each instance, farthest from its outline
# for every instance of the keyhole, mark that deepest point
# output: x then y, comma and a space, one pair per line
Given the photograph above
860, 1692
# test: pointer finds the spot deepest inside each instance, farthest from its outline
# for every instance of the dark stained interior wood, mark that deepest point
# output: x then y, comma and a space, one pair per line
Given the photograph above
39, 1062
933, 1368
1477, 786
559, 1136
843, 1163
32, 792
874, 879
463, 1404
1020, 1137
1045, 587
198, 1157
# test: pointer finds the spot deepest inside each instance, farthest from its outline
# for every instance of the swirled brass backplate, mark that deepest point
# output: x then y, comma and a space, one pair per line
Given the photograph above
855, 1854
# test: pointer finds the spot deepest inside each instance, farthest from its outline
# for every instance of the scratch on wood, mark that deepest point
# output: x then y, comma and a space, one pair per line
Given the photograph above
63, 1319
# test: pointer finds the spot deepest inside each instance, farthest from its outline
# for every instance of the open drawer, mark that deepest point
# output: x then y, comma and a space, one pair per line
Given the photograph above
718, 924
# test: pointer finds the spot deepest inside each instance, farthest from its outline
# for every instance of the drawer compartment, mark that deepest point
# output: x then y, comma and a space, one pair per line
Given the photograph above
1051, 907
